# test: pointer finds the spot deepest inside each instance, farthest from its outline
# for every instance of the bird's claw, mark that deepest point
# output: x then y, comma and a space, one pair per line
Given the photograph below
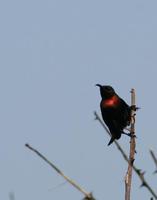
134, 108
132, 135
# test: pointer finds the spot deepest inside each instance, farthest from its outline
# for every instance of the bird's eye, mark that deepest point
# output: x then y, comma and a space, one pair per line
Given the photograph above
108, 88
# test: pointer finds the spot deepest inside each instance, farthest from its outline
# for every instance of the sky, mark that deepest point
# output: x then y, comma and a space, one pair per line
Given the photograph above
52, 55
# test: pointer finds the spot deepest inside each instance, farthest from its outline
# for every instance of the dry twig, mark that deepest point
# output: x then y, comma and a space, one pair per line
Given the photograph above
154, 159
88, 196
128, 177
11, 196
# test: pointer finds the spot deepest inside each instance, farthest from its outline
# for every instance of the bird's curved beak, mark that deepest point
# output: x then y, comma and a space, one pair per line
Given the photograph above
98, 85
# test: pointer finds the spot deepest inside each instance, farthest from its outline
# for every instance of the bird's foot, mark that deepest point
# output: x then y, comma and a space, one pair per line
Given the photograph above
129, 134
134, 108
127, 129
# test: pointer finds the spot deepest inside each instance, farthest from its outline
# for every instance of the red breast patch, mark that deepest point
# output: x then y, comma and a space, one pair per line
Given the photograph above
112, 102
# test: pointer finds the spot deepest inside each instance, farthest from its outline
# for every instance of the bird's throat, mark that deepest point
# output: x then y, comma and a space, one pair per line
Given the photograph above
111, 102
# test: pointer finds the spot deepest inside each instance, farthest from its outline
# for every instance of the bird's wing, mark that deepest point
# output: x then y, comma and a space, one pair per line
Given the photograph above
113, 126
125, 108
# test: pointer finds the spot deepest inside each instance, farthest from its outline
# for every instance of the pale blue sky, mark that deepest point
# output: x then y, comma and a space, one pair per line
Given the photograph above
52, 55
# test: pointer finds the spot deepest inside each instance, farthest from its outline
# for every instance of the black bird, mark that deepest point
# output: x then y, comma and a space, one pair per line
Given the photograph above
116, 113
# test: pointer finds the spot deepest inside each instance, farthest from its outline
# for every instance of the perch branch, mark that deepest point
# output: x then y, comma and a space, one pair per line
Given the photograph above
128, 176
88, 196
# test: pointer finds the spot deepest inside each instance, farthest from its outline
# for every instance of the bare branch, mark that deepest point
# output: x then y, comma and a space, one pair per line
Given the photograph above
88, 196
128, 177
137, 170
11, 196
154, 159
116, 143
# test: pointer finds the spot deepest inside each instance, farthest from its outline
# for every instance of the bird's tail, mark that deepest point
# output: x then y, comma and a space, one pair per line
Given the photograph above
111, 140
114, 137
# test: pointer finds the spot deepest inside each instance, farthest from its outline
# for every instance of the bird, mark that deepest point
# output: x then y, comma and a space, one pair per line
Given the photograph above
116, 113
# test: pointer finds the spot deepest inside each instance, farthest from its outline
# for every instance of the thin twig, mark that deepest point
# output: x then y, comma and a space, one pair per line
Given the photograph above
128, 176
88, 196
138, 171
154, 159
11, 196
116, 143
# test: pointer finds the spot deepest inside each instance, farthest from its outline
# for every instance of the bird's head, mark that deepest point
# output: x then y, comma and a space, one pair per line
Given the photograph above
106, 91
